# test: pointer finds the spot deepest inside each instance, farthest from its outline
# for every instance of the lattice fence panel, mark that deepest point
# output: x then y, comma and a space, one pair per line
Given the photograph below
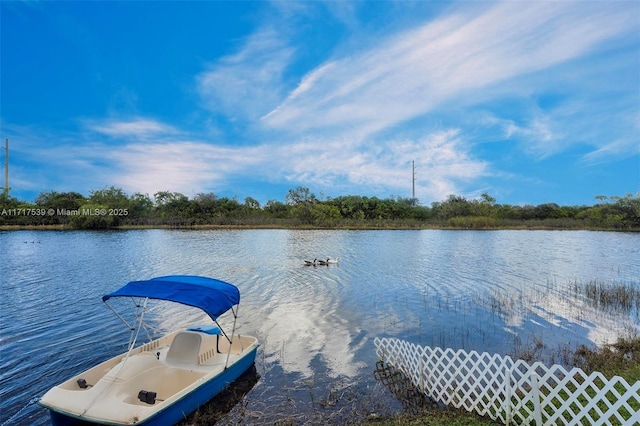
513, 391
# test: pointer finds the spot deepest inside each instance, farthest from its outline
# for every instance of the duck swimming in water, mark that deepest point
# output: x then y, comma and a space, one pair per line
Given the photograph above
310, 262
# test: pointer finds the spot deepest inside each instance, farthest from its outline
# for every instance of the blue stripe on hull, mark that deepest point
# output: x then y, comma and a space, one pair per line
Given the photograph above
181, 408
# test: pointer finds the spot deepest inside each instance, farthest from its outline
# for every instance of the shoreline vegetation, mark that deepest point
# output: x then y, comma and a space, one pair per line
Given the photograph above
112, 208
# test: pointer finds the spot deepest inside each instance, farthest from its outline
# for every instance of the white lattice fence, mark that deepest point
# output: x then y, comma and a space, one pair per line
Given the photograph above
514, 391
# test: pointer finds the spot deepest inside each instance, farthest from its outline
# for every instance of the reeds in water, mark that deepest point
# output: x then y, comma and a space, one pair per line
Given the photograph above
613, 296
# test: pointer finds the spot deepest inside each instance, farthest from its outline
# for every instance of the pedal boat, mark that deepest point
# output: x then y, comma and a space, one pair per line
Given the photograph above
164, 380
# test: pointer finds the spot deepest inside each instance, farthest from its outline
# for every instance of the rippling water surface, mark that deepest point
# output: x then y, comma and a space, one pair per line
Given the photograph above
485, 290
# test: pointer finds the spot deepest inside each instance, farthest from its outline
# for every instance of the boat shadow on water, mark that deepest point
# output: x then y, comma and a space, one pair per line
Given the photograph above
222, 404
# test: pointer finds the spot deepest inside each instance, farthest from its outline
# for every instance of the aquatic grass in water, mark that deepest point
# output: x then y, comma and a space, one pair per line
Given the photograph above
614, 296
545, 320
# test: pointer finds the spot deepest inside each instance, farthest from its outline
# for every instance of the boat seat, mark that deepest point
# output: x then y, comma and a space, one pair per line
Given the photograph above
185, 348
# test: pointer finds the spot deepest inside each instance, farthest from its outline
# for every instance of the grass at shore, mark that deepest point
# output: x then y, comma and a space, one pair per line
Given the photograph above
435, 418
621, 358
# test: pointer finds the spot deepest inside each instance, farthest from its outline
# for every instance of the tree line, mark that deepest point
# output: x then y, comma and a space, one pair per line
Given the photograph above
112, 207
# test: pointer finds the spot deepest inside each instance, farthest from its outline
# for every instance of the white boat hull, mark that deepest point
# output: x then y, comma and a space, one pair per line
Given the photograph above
158, 383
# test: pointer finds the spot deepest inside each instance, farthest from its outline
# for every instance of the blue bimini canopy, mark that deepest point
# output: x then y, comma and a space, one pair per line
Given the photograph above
213, 296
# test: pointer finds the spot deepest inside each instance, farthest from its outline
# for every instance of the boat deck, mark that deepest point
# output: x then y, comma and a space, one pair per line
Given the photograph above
131, 388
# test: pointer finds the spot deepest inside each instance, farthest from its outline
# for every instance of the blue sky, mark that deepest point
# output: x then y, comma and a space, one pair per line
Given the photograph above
529, 101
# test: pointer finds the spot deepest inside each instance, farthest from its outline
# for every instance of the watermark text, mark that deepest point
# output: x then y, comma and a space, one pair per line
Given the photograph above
64, 212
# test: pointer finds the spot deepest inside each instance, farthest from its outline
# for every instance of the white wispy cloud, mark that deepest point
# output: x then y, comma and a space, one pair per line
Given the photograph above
615, 149
135, 127
139, 155
347, 100
414, 72
539, 136
188, 167
474, 56
441, 159
246, 84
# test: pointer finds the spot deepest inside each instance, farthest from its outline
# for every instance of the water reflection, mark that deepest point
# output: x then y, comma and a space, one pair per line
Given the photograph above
484, 291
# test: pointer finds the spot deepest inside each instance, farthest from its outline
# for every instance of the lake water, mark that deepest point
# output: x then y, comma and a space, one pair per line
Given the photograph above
486, 290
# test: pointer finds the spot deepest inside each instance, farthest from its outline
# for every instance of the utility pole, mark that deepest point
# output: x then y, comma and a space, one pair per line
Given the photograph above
413, 182
6, 167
